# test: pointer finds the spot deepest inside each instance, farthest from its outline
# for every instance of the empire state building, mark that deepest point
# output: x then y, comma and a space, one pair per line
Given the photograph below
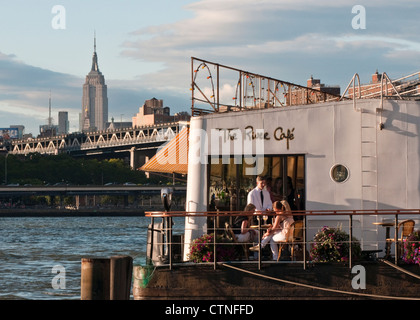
95, 99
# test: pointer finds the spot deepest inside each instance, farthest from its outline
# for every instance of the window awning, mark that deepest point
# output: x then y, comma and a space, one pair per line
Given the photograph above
172, 158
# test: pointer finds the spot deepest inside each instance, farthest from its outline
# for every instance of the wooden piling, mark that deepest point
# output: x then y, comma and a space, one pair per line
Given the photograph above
95, 279
120, 277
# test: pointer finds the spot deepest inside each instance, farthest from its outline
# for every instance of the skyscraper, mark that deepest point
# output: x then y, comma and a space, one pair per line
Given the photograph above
63, 122
95, 99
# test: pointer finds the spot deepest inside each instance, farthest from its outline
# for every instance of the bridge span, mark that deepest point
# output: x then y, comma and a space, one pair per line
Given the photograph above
112, 190
139, 143
86, 199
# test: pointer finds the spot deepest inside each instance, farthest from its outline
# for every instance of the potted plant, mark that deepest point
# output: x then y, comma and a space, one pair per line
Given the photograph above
202, 249
411, 252
332, 245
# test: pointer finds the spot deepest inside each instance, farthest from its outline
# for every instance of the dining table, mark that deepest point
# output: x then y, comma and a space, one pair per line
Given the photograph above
386, 224
263, 226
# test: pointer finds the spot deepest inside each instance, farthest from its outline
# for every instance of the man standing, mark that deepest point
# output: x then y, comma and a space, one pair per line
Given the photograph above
260, 197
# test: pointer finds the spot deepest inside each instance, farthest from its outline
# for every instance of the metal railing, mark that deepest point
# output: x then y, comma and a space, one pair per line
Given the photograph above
309, 222
251, 90
407, 87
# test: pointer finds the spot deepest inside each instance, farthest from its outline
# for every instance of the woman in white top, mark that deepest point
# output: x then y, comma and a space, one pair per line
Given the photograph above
280, 229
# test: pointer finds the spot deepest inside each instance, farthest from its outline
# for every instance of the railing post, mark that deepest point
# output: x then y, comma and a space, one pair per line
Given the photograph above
259, 243
151, 238
396, 239
170, 241
350, 239
304, 241
214, 243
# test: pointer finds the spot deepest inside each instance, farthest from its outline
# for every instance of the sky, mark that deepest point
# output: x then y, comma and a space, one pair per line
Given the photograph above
145, 47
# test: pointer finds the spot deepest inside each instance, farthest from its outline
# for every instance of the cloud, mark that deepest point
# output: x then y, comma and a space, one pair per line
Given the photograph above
25, 91
283, 39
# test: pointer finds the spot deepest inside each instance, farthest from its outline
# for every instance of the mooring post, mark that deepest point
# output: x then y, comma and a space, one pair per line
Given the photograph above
121, 270
95, 279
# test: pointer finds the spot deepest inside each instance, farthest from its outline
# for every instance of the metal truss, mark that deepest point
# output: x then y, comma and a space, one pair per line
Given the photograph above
219, 88
119, 138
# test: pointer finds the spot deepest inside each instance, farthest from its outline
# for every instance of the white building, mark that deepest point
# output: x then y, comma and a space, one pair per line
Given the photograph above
340, 154
339, 158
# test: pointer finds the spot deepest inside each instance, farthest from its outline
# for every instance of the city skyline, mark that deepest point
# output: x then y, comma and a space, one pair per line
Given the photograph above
145, 48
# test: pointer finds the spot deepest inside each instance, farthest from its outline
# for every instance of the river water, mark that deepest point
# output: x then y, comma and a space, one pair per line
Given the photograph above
31, 247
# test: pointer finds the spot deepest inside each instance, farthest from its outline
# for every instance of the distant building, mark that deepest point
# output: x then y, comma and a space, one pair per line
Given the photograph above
153, 112
371, 88
47, 130
63, 122
316, 84
14, 132
95, 99
117, 125
302, 96
182, 116
20, 128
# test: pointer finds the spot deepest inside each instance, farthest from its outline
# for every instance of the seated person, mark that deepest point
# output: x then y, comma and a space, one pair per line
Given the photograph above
278, 232
241, 226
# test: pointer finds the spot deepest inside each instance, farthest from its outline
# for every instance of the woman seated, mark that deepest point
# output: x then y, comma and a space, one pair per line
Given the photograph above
280, 229
241, 226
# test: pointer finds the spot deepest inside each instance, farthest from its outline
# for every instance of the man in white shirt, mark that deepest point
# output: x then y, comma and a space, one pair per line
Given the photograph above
259, 196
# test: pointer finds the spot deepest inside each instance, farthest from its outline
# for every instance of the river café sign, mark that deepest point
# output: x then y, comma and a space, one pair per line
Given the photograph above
250, 134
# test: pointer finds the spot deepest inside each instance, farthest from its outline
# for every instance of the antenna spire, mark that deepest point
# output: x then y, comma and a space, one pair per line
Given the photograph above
95, 57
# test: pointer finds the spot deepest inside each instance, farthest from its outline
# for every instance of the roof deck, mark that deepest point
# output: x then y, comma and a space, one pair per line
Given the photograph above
220, 88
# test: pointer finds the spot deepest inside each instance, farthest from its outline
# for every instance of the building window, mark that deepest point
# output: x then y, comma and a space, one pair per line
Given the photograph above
339, 173
230, 180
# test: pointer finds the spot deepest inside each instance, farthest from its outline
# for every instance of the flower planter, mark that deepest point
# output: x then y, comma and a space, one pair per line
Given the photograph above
332, 245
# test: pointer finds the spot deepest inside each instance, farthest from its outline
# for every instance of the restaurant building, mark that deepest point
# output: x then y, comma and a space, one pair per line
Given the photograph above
340, 153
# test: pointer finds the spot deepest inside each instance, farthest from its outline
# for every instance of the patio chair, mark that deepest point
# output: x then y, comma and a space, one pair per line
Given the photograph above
407, 229
231, 234
294, 238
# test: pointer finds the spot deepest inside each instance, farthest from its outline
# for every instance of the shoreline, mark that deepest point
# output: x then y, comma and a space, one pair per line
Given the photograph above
88, 212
